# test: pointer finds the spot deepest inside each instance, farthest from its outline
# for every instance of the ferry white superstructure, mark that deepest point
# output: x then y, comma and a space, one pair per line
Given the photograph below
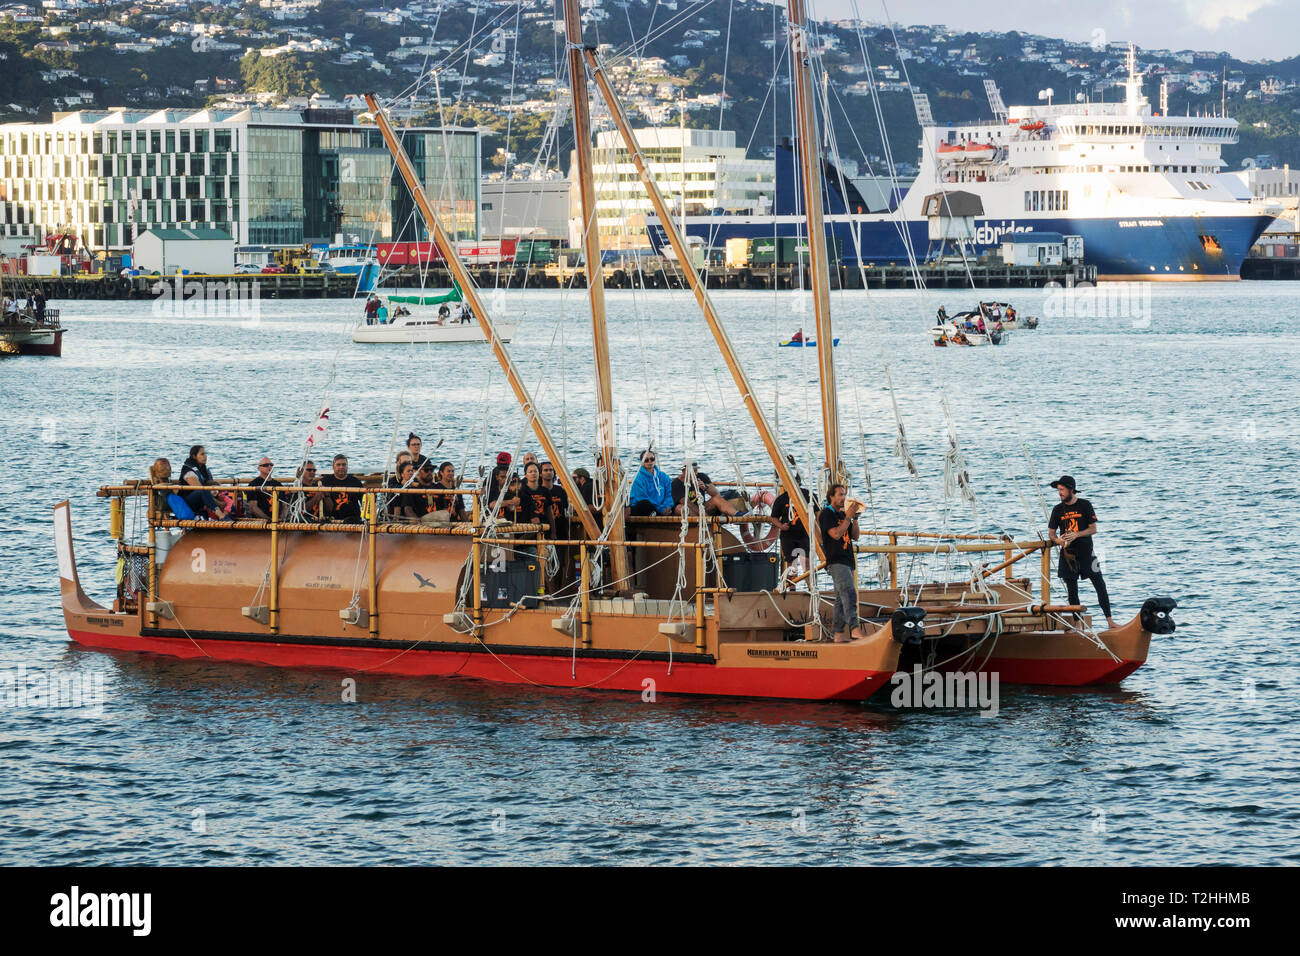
1147, 192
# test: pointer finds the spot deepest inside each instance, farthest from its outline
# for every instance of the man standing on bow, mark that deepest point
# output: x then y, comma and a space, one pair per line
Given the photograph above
838, 527
1077, 524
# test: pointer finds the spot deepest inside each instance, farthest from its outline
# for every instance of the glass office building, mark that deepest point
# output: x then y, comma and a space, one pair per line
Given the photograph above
267, 177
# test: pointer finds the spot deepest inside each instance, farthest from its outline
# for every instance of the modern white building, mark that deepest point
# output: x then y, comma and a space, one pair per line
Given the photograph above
274, 177
702, 170
525, 209
168, 251
1280, 184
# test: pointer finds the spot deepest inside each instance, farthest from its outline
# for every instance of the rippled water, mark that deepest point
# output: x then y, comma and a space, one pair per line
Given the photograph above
1181, 431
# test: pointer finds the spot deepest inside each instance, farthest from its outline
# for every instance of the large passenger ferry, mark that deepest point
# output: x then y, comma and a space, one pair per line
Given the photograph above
1148, 193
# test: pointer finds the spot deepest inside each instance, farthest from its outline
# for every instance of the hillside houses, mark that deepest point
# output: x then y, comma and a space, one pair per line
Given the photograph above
506, 64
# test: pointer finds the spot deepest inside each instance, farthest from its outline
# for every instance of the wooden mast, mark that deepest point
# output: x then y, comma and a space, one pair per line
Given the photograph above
605, 440
470, 291
811, 168
765, 430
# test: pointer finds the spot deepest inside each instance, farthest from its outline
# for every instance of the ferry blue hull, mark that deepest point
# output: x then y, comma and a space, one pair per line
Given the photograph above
1161, 248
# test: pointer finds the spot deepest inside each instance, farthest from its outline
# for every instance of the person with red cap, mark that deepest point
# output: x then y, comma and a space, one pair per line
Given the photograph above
499, 478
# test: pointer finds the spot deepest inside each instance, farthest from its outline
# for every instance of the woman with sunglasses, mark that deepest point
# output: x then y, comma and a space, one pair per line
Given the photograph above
652, 489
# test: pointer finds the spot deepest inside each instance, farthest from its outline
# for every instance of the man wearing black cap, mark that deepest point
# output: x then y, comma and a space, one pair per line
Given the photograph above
1077, 523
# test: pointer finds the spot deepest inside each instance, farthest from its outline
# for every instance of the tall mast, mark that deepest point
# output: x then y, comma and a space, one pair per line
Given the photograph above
605, 439
470, 291
678, 242
681, 128
811, 169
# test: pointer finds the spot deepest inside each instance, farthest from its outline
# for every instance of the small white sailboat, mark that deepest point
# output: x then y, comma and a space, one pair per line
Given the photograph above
450, 322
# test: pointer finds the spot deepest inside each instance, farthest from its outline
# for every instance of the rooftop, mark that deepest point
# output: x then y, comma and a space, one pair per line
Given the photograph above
194, 233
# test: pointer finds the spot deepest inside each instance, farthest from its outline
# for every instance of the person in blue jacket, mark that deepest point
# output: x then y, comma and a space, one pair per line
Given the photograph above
652, 489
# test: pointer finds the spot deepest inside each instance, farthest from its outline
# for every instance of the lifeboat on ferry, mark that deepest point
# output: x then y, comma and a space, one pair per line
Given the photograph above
1033, 127
980, 151
952, 152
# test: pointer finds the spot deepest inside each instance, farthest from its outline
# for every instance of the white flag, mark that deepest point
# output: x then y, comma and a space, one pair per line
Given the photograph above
318, 430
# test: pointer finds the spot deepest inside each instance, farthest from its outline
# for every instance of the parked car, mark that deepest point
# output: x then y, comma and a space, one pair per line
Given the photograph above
247, 268
272, 270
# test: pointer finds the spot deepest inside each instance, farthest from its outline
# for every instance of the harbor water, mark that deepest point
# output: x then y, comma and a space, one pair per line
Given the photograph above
1176, 416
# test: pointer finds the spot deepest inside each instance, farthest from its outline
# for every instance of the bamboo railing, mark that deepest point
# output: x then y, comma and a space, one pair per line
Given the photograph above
513, 534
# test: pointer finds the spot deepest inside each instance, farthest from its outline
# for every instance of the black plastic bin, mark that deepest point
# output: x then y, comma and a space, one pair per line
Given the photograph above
752, 571
518, 580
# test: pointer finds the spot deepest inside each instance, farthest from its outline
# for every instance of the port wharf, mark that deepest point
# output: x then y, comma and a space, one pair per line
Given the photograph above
665, 275
1276, 255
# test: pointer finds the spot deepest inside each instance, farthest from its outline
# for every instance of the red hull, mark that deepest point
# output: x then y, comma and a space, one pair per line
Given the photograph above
1060, 672
54, 349
512, 668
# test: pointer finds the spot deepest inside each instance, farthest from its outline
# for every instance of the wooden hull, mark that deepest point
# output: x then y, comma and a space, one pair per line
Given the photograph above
744, 652
1064, 657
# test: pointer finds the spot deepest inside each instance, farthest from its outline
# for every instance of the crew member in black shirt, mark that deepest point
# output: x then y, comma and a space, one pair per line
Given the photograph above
536, 503
413, 445
558, 511
795, 546
403, 507
499, 478
1076, 522
559, 504
512, 501
343, 506
258, 504
453, 504
838, 528
426, 506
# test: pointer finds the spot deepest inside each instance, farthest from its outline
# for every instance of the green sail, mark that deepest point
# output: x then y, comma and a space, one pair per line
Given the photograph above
452, 295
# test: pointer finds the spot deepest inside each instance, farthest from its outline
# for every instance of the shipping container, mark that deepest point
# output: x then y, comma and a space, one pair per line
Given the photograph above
788, 250
397, 254
487, 252
471, 251
536, 251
